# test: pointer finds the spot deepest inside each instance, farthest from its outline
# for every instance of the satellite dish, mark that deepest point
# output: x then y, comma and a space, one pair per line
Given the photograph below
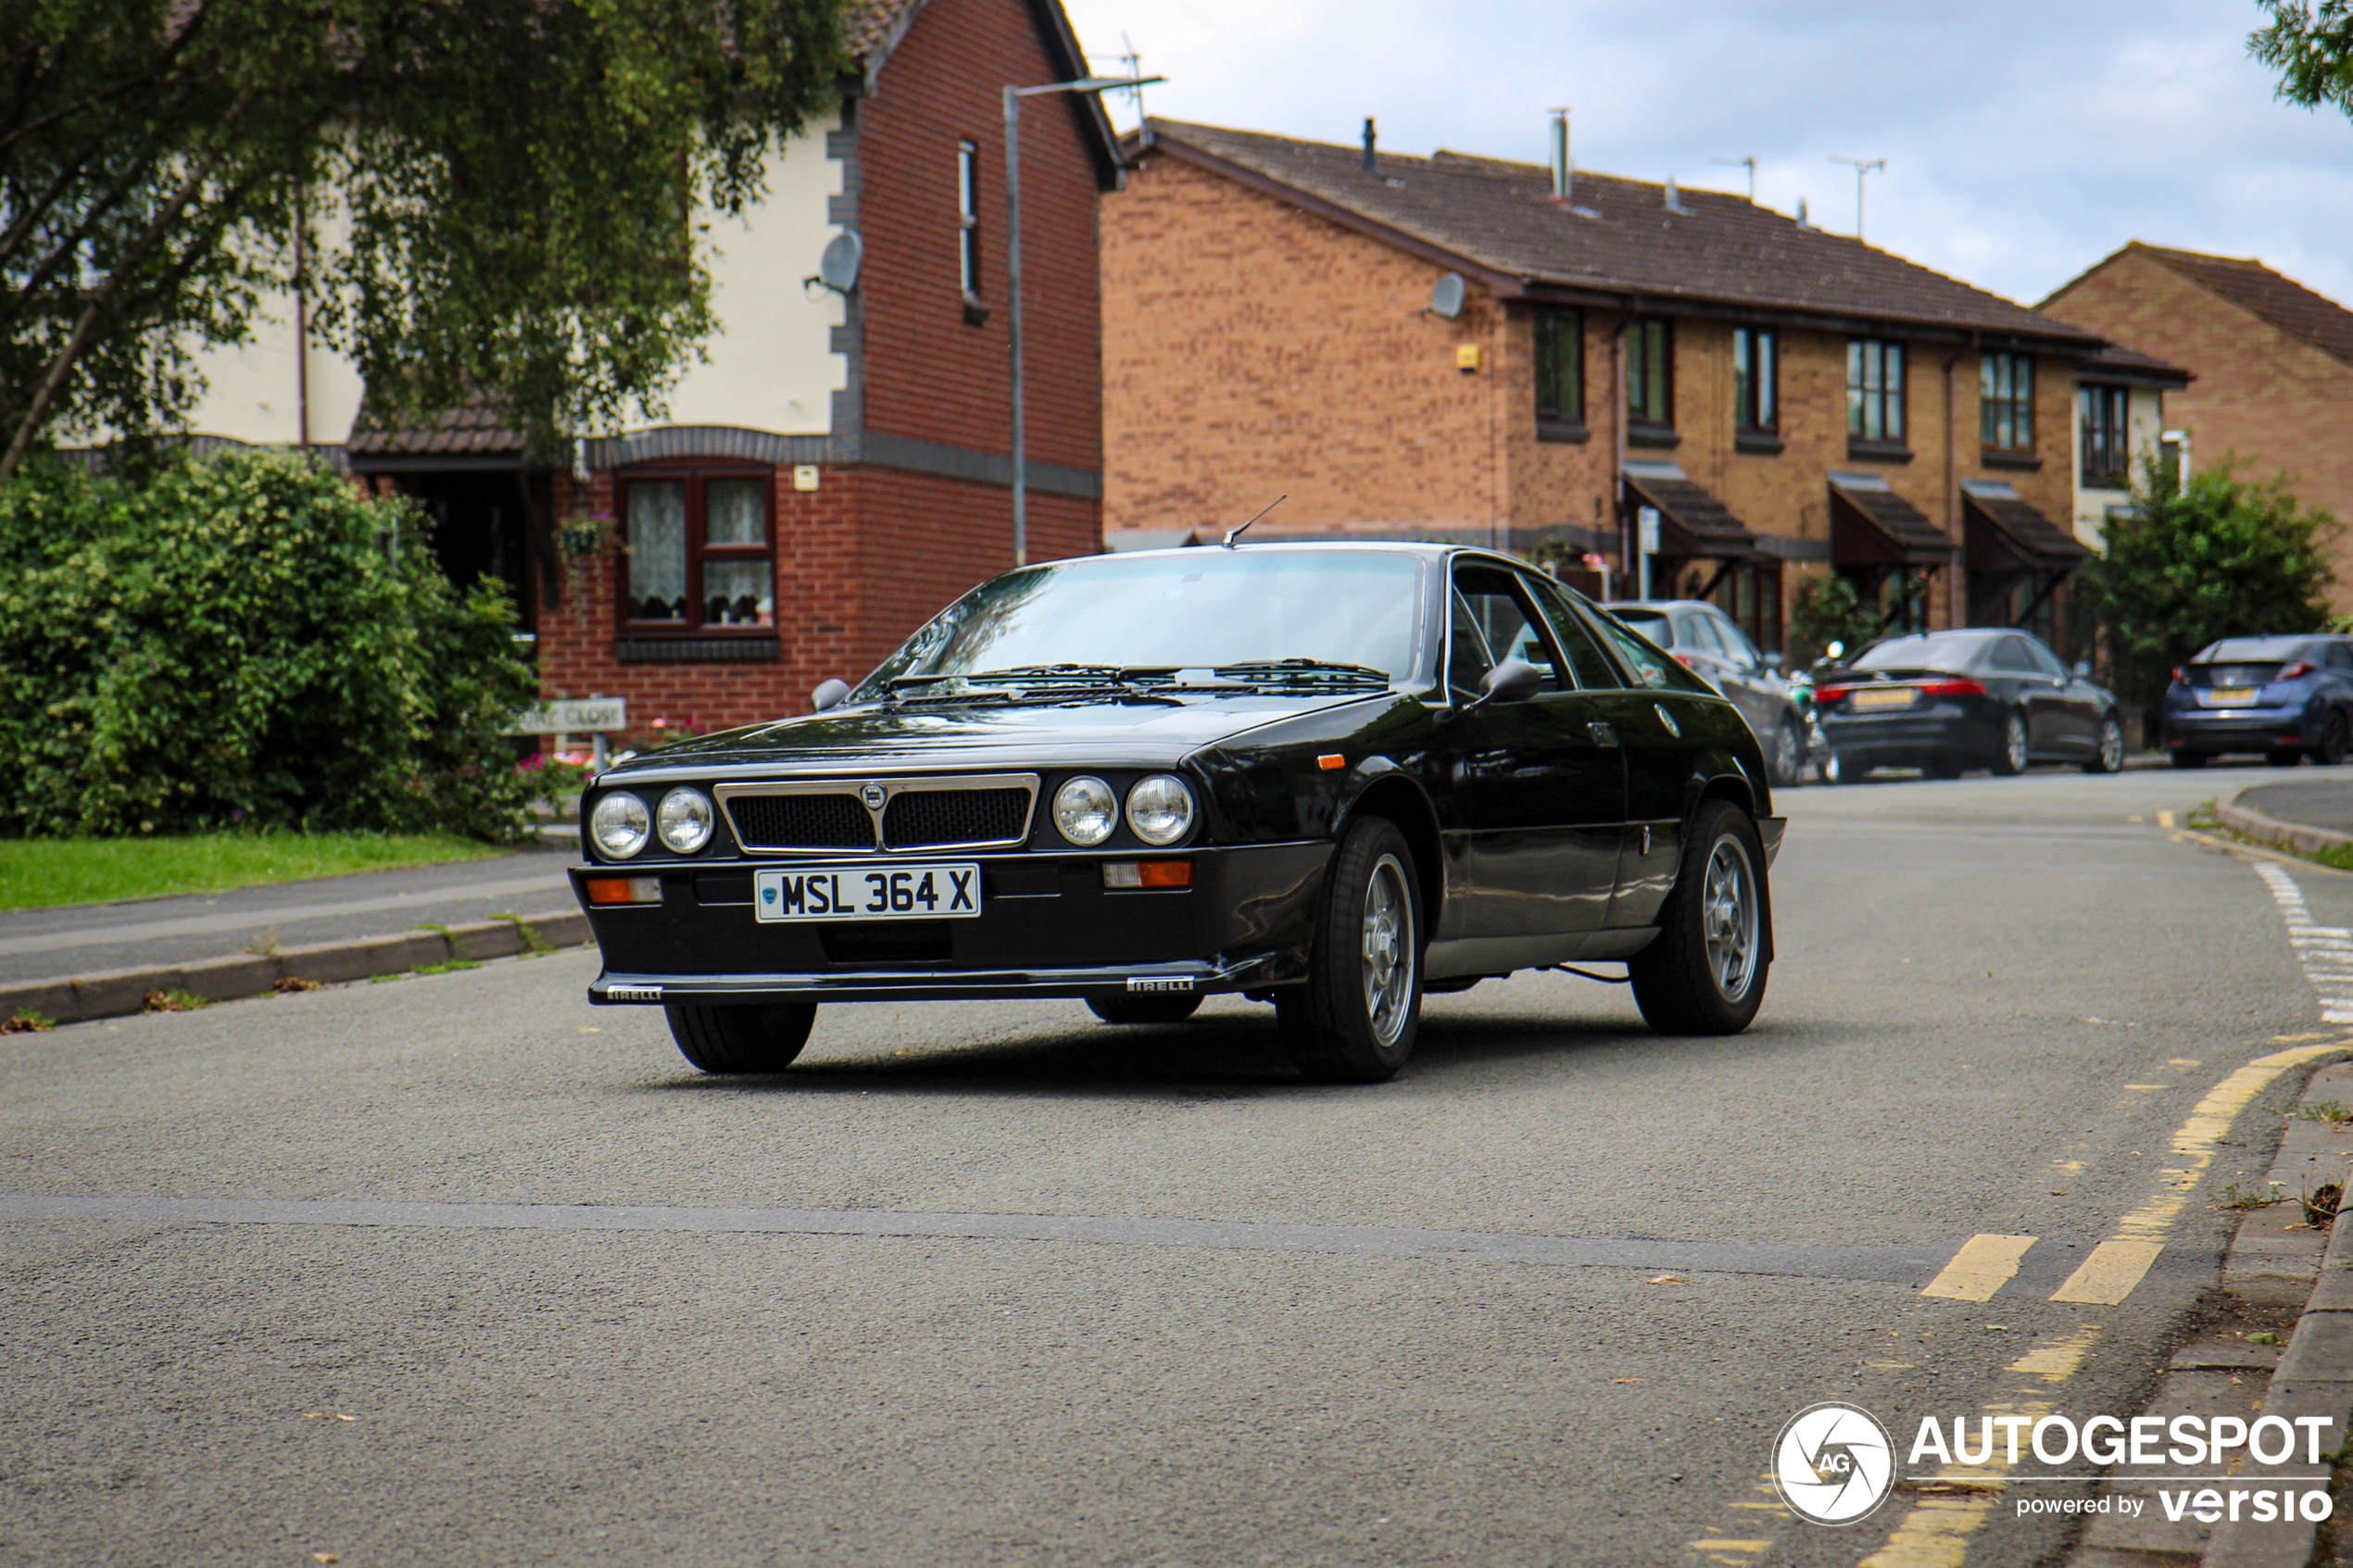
838, 269
1446, 296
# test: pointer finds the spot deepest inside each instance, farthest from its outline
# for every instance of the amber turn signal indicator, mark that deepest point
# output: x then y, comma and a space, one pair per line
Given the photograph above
1147, 873
624, 889
1331, 760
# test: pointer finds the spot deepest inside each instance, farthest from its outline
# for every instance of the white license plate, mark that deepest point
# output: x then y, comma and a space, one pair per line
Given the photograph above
2229, 696
1869, 700
898, 892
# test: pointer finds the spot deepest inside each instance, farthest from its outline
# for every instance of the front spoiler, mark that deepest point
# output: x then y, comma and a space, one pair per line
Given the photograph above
902, 985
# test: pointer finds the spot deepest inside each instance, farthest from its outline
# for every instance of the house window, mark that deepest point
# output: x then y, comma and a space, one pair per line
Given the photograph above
1650, 380
968, 219
1874, 390
699, 552
1560, 367
2107, 437
2005, 402
1756, 402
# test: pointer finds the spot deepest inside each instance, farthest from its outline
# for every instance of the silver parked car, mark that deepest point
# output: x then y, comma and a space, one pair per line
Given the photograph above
1712, 646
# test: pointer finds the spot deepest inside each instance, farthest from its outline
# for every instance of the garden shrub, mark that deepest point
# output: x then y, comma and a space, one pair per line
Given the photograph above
244, 640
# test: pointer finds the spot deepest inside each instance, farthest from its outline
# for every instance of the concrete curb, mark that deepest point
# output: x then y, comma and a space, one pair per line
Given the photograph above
114, 993
2314, 1378
2270, 830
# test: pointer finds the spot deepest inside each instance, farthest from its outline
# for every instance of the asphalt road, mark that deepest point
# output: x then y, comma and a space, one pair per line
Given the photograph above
984, 1284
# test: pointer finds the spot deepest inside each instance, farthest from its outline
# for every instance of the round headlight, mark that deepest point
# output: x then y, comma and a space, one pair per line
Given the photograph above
1160, 810
620, 825
684, 820
1085, 810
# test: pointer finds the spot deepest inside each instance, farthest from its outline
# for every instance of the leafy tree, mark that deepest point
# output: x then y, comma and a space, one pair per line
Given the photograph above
2311, 46
245, 641
1826, 610
479, 197
2225, 558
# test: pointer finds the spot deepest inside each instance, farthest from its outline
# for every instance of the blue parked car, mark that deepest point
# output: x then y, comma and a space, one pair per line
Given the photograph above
2287, 697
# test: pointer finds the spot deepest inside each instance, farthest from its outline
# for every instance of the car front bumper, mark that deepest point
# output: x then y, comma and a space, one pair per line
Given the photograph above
1047, 927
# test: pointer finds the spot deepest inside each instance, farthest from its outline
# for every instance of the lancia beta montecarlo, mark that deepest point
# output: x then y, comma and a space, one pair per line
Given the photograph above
1331, 777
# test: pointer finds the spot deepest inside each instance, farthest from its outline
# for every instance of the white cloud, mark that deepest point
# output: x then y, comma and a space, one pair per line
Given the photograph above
2024, 138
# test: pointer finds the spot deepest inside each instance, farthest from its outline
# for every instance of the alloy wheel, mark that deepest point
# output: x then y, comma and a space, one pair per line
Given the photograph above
1388, 950
2014, 743
1787, 756
1728, 918
2111, 747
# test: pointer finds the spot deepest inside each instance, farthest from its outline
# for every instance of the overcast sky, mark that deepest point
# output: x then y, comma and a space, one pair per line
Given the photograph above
2024, 138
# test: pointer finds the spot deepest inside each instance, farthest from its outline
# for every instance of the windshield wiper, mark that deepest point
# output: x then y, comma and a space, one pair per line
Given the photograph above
1027, 674
1282, 669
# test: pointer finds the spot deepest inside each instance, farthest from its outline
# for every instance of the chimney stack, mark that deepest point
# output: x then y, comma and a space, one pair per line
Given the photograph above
1674, 197
1564, 177
1370, 166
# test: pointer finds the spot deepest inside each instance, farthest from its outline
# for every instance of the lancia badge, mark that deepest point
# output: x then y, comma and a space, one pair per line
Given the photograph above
873, 794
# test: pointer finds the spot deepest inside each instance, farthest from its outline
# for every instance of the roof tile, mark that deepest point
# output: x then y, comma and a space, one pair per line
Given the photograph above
2281, 301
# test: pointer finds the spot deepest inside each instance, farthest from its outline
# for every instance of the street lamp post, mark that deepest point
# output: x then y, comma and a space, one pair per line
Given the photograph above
1013, 96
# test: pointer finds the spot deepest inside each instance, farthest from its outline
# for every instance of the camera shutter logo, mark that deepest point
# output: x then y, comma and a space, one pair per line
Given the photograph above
1833, 1464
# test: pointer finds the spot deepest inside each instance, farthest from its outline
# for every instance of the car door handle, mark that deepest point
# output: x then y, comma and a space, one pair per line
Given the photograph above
1604, 735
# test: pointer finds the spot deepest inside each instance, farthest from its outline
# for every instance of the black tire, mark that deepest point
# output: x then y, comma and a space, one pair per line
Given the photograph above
757, 1037
1946, 768
2109, 758
1836, 770
2335, 740
2286, 757
1354, 1019
1166, 1007
1789, 752
1680, 980
2010, 755
2189, 759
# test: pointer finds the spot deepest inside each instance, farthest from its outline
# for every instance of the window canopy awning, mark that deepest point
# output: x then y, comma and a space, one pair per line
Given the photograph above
2006, 535
1692, 524
1871, 525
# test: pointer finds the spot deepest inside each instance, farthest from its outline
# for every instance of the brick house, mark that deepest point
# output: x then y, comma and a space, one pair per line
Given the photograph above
839, 468
2120, 419
1788, 401
2274, 362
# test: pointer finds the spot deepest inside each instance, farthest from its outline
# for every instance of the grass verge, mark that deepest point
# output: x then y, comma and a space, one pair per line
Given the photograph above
39, 872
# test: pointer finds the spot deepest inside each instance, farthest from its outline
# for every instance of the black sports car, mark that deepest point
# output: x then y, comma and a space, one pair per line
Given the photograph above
1327, 776
1973, 697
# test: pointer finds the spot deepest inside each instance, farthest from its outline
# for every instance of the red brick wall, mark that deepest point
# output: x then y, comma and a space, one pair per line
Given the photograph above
928, 374
872, 553
1252, 350
2262, 393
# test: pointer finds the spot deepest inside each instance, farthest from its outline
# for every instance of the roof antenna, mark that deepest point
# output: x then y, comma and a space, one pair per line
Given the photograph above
1371, 165
1235, 533
1747, 163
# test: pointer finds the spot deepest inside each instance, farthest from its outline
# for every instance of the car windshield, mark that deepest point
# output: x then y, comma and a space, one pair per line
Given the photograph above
1924, 650
2252, 651
1201, 610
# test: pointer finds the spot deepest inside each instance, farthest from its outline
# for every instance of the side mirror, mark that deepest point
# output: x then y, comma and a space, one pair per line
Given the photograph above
2082, 668
1512, 681
1836, 650
828, 695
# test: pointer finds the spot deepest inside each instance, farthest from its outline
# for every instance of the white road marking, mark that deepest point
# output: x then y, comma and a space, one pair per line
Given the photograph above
2325, 951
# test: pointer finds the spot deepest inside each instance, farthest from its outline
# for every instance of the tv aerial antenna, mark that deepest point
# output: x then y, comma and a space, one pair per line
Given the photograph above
1747, 163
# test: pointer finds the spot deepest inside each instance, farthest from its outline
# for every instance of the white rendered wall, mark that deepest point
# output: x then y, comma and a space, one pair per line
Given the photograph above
2144, 424
771, 365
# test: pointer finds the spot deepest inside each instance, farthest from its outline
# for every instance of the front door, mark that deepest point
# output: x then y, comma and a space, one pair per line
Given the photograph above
1539, 791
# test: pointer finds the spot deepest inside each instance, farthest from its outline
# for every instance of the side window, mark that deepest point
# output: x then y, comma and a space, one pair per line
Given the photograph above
1504, 626
1585, 660
1650, 667
1468, 661
2010, 655
1736, 645
1698, 631
2340, 656
2044, 659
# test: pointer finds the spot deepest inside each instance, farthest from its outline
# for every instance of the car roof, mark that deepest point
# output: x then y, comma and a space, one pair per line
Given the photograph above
2262, 648
1662, 606
1379, 546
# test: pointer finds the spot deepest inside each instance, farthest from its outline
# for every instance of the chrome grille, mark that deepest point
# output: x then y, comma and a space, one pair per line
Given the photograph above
801, 821
838, 815
921, 819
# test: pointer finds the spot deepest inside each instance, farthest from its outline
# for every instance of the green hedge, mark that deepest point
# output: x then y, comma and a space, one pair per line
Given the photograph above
236, 641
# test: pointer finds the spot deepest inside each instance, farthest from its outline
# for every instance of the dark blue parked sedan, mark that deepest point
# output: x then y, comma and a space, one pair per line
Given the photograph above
2287, 697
